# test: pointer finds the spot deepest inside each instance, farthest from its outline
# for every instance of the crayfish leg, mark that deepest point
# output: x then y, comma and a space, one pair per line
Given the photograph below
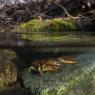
31, 68
40, 71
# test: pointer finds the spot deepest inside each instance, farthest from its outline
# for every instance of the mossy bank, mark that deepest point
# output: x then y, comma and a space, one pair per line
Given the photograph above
49, 25
52, 28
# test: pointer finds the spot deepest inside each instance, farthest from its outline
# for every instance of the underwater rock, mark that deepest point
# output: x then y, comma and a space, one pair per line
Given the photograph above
75, 79
8, 71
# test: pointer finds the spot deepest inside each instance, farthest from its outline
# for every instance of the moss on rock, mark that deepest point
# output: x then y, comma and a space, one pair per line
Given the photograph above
49, 25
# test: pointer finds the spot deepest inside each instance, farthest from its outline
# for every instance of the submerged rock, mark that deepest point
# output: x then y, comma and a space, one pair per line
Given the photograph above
75, 79
8, 71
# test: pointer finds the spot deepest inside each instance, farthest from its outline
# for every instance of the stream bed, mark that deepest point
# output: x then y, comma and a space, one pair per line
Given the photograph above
74, 79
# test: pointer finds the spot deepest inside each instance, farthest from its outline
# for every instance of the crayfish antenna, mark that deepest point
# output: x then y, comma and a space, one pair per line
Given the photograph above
66, 61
